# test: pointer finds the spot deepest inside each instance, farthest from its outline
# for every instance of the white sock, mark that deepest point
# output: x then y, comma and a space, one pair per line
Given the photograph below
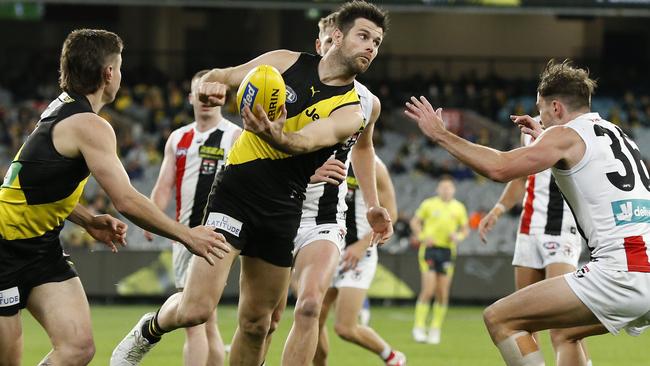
386, 352
589, 363
512, 355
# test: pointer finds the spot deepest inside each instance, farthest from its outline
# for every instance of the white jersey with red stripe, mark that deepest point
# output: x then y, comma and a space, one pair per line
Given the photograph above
325, 203
544, 209
609, 194
199, 156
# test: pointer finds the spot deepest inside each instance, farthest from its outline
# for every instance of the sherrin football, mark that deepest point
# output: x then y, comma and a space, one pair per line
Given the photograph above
265, 86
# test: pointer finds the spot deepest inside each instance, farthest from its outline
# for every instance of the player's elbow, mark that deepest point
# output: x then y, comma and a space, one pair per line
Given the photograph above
499, 175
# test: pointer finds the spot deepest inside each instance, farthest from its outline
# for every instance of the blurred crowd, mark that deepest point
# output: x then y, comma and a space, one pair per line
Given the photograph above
144, 114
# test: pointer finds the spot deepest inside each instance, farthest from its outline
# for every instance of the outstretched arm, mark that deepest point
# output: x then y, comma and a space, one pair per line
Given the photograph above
96, 142
555, 144
214, 85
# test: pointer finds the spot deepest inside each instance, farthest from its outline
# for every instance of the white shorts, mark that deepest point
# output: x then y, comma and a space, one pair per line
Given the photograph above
181, 259
359, 277
308, 234
619, 299
540, 250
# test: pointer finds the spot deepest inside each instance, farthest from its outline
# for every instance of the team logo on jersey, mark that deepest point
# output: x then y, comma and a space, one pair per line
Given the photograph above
292, 97
9, 297
208, 167
182, 151
224, 222
631, 211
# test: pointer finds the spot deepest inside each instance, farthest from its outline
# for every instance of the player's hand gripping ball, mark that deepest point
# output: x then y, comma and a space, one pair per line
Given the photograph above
263, 85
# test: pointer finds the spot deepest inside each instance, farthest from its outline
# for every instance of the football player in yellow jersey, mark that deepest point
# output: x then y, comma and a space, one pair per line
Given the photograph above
42, 188
256, 203
439, 224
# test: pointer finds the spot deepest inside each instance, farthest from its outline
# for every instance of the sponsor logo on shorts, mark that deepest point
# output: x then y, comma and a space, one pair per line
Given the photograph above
224, 222
9, 297
292, 97
551, 245
249, 96
581, 272
631, 211
323, 232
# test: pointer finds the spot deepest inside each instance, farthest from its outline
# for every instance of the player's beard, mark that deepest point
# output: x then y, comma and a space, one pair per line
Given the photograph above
353, 64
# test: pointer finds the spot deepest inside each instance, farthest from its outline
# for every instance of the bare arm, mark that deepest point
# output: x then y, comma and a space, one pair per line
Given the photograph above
356, 251
162, 190
96, 142
337, 127
557, 144
213, 86
386, 190
512, 193
363, 159
105, 229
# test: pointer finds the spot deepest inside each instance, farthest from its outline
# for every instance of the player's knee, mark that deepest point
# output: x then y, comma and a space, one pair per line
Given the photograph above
344, 331
492, 320
255, 327
78, 351
309, 306
193, 316
561, 336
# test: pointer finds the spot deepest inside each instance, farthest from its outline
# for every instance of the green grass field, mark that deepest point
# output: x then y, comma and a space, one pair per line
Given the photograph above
464, 340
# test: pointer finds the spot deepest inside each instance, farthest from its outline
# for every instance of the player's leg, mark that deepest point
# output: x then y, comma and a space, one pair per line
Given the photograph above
262, 288
427, 289
511, 320
275, 323
568, 352
525, 276
203, 345
314, 267
346, 326
195, 348
444, 264
189, 308
63, 311
558, 338
439, 308
11, 339
216, 350
323, 347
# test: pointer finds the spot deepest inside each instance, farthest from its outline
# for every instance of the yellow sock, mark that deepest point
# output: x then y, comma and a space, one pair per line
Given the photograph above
439, 312
421, 313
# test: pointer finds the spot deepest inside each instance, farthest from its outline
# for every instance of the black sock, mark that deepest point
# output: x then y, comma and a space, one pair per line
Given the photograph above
151, 330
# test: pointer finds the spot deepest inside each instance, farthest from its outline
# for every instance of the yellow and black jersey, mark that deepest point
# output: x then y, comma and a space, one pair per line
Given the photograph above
42, 187
261, 170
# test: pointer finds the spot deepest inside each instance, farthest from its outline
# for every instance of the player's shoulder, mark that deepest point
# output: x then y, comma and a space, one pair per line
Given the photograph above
86, 123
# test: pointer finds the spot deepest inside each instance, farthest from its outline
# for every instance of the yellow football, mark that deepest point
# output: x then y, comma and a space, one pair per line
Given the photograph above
265, 86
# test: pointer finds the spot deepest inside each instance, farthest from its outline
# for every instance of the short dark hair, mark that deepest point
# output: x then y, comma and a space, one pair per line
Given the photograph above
566, 82
351, 11
84, 55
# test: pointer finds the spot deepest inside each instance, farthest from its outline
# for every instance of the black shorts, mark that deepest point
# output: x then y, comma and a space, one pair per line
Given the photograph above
439, 260
23, 270
260, 228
